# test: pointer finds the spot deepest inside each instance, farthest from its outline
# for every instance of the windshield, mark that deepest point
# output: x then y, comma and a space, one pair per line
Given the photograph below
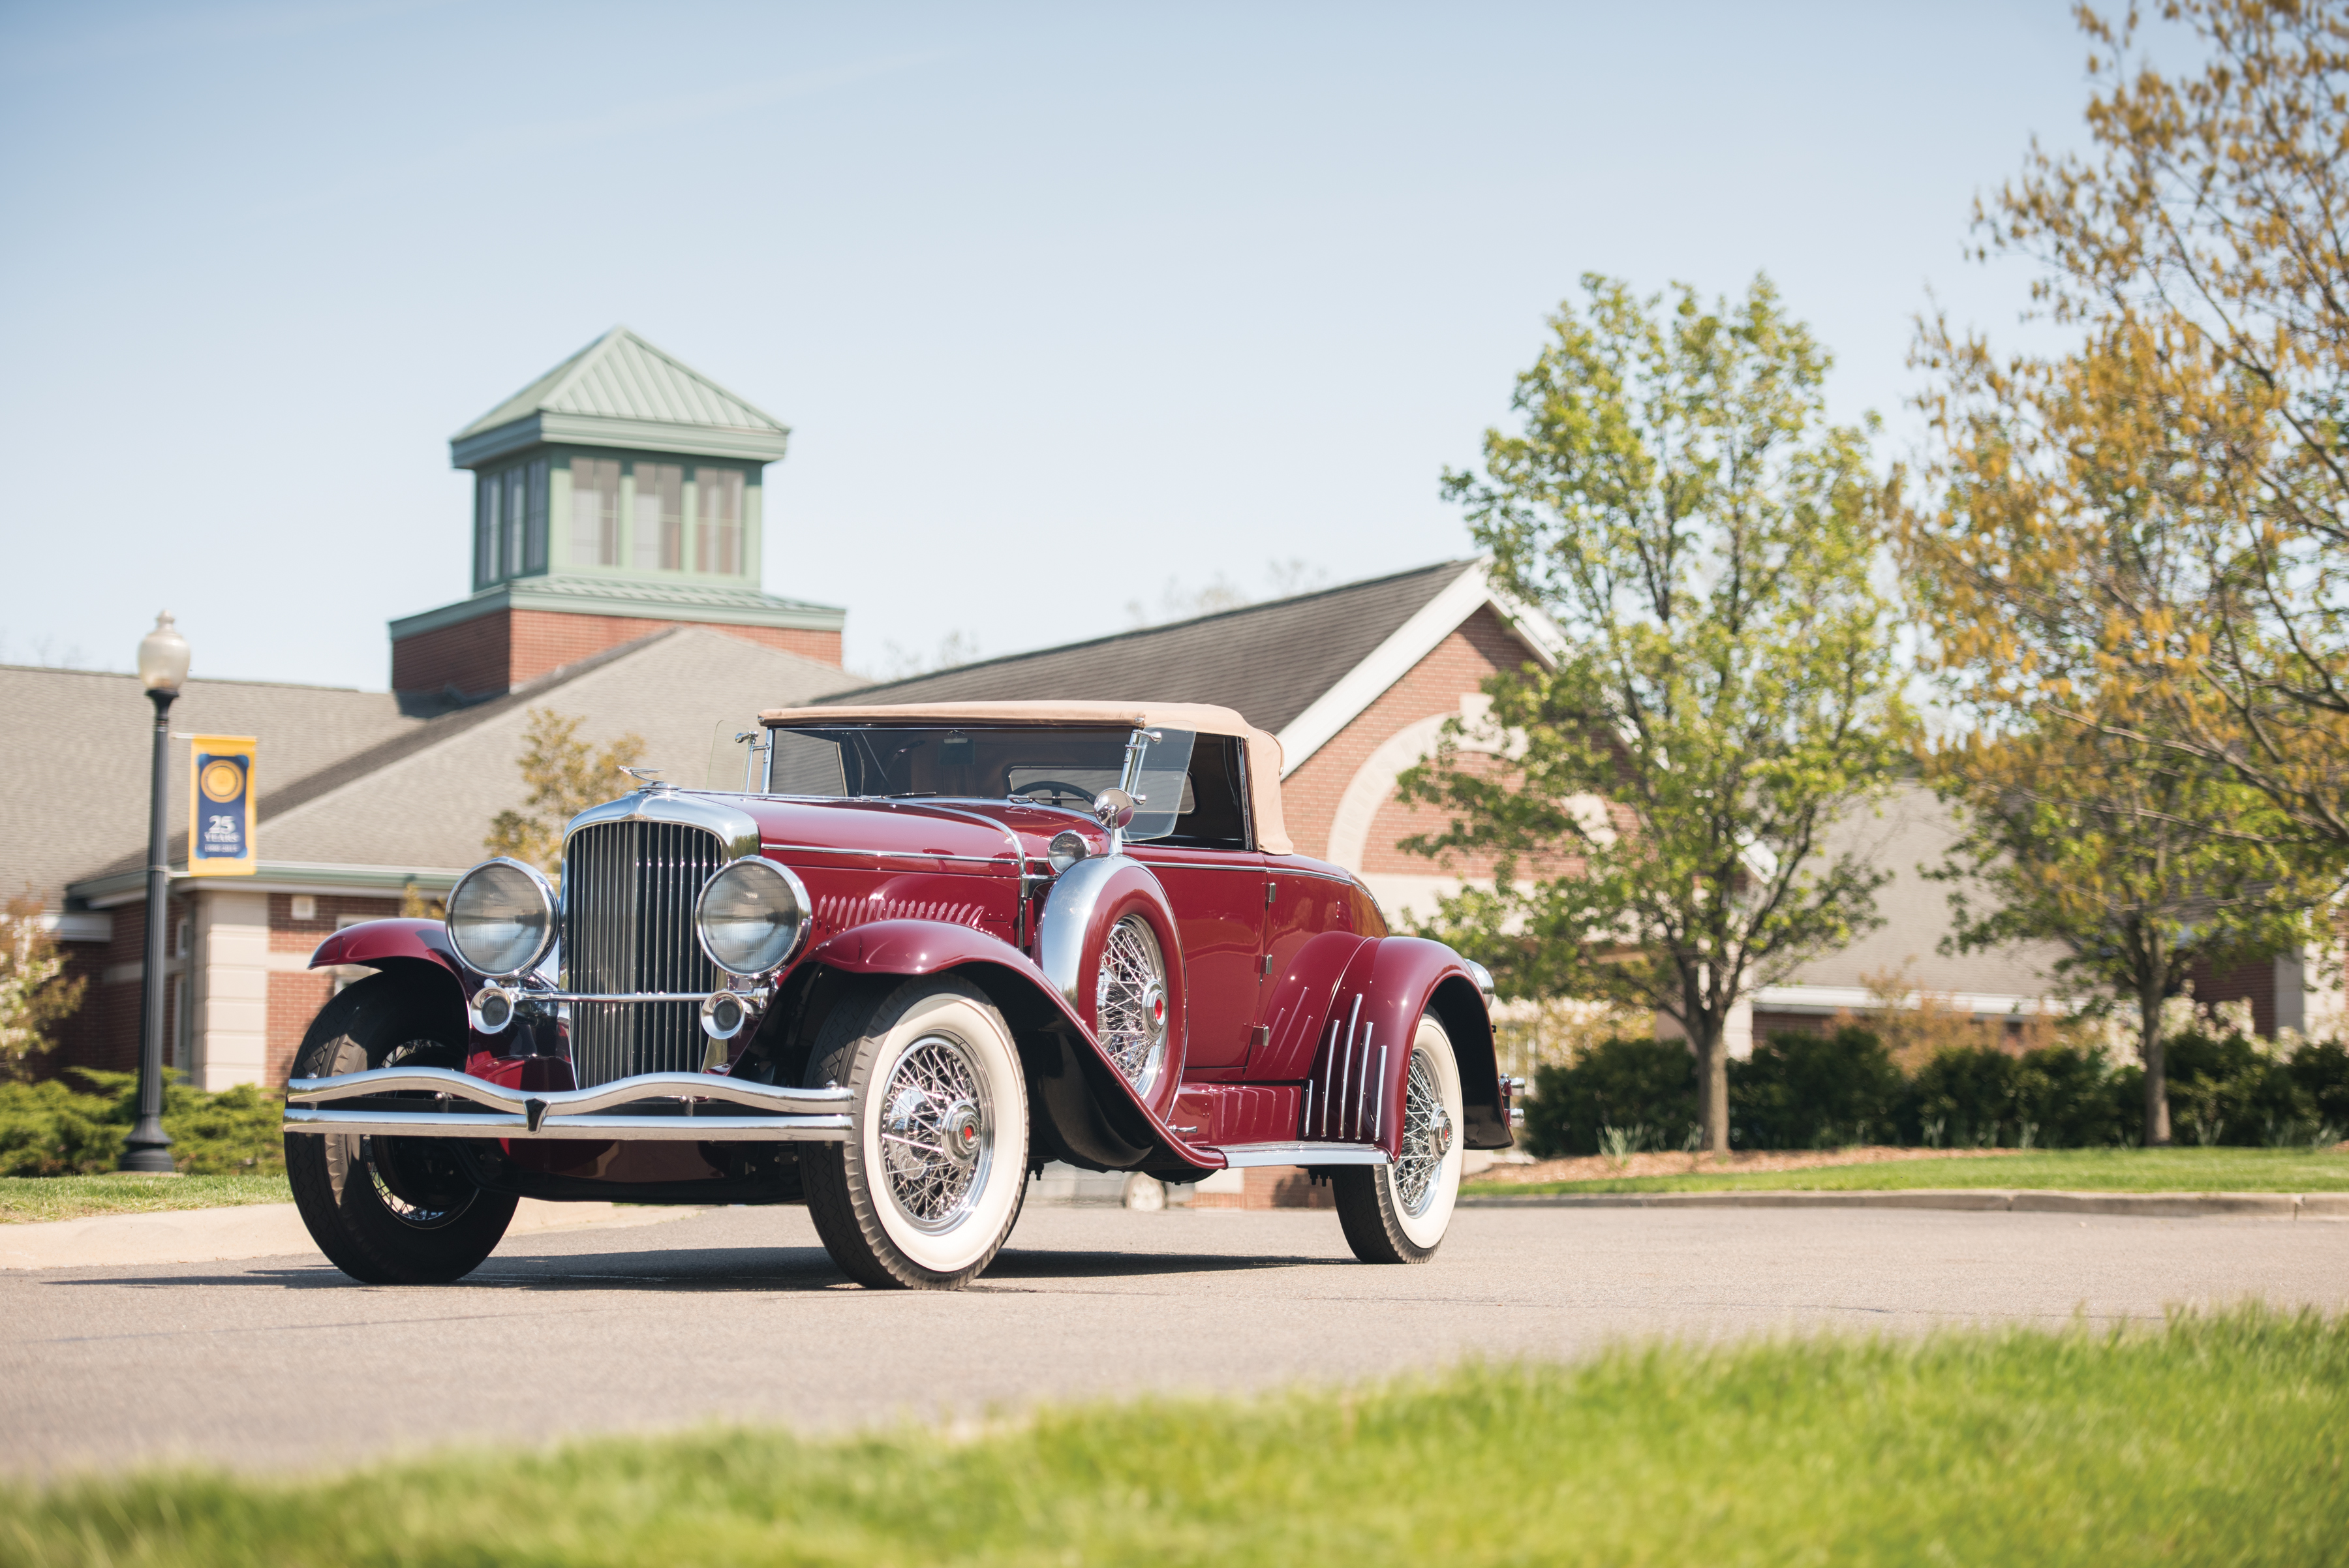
1050, 766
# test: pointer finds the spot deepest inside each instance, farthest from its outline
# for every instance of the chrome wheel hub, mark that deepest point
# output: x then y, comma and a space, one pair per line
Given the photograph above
962, 1129
1426, 1137
935, 1135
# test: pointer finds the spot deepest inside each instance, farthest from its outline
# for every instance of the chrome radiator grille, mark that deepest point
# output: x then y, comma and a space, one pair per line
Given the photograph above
627, 926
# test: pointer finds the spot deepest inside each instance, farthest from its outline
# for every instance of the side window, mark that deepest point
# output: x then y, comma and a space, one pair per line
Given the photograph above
1213, 815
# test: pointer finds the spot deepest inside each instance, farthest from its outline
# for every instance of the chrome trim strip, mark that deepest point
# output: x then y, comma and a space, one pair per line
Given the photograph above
1238, 1156
624, 1129
564, 1102
774, 849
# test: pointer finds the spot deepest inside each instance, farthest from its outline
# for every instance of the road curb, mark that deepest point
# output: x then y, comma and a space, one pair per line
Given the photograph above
245, 1230
1974, 1199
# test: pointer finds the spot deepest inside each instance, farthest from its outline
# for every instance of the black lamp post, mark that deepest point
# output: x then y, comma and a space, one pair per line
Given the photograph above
162, 669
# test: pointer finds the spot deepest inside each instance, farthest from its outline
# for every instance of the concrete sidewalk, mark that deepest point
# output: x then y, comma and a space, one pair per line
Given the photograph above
1970, 1200
248, 1230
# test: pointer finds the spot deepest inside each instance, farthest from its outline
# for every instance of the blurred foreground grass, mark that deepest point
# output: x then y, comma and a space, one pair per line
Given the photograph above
2218, 1438
24, 1199
2073, 1169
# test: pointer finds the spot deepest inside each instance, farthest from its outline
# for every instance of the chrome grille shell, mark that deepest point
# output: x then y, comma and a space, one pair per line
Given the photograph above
631, 873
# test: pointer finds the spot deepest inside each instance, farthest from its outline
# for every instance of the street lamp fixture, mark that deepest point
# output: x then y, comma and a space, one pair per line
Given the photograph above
162, 670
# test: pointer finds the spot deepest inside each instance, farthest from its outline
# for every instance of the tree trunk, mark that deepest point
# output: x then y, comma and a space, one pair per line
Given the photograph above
1712, 1088
2153, 1050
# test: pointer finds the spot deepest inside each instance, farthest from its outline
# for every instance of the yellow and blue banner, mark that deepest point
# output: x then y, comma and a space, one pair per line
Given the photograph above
220, 806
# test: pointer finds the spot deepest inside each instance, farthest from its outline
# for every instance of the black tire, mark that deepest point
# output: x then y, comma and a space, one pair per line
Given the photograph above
1399, 1213
932, 1058
386, 1210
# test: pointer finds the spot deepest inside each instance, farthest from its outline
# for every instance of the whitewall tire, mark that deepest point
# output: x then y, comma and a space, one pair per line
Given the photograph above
1397, 1213
929, 1182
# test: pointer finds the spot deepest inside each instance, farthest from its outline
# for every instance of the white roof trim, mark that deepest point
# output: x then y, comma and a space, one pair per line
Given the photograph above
1831, 999
1413, 641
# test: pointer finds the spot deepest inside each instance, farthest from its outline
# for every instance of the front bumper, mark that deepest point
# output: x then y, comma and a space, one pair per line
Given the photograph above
651, 1106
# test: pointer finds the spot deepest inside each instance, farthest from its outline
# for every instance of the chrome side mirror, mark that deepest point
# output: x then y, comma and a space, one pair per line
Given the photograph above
1115, 808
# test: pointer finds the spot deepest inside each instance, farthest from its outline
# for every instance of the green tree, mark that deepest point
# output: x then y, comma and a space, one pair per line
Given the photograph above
34, 997
1655, 807
565, 776
2137, 861
2201, 239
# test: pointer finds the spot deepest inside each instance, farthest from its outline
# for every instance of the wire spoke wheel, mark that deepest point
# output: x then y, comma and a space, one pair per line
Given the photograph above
929, 1182
1427, 1135
1130, 1005
936, 1135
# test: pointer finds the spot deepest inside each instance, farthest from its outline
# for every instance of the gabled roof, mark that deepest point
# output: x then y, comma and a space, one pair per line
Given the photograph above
1301, 667
622, 391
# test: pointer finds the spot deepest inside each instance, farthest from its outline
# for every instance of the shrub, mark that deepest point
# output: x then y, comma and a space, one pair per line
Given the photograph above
51, 1130
1810, 1091
2224, 1090
1616, 1083
2321, 1072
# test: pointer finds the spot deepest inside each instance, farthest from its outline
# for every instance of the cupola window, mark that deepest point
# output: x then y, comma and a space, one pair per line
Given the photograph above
717, 521
596, 510
658, 524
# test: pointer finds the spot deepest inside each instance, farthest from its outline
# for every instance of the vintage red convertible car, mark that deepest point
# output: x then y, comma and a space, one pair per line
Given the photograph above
925, 950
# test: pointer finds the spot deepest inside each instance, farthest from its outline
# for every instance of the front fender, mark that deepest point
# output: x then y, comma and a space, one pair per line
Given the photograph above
1092, 1111
420, 954
370, 942
1363, 1049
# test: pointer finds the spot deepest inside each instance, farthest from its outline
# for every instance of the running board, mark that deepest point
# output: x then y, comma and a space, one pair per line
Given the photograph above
1240, 1156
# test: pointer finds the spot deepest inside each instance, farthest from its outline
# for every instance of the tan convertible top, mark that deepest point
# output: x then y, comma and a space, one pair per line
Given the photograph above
1263, 749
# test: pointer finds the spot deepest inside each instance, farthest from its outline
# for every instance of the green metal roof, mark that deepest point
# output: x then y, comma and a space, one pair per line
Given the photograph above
621, 392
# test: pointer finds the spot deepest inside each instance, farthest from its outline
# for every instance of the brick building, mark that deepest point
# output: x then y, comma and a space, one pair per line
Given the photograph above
616, 554
619, 494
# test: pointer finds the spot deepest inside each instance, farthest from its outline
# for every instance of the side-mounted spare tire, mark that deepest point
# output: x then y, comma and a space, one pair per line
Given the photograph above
388, 1210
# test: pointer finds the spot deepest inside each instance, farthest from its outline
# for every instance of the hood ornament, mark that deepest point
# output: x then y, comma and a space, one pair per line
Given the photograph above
651, 781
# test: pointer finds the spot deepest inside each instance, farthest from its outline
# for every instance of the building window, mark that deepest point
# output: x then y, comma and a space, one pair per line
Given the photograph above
533, 555
594, 512
658, 524
717, 521
517, 515
487, 529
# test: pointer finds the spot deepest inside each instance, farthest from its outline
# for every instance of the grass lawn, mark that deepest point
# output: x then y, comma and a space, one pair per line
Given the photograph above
2074, 1169
2211, 1439
28, 1198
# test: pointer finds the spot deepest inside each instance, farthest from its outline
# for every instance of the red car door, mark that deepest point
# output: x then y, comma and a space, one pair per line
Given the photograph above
1218, 898
1216, 882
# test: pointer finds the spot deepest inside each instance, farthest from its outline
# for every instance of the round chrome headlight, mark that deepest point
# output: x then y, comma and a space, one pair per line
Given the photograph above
502, 916
1066, 849
751, 916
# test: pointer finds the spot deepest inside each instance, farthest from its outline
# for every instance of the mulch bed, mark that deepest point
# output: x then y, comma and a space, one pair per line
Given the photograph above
1599, 1168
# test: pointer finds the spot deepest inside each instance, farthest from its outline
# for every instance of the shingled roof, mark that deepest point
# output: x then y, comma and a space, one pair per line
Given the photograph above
410, 793
1269, 662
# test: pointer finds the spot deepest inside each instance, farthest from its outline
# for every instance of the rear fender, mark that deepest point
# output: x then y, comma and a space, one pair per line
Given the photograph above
1354, 1082
1084, 1110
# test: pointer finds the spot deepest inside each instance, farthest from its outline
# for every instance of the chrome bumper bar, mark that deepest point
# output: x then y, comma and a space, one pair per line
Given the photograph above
788, 1115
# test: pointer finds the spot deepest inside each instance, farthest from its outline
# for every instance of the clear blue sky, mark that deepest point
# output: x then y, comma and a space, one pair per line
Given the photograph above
1061, 304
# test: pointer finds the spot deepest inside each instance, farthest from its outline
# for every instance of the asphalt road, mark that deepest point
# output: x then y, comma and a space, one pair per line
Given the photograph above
736, 1316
